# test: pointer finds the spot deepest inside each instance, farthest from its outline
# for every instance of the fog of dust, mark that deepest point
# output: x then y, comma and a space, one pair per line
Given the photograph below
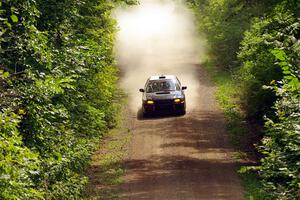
158, 37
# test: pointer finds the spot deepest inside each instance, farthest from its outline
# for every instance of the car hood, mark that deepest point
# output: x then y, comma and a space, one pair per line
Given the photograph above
163, 95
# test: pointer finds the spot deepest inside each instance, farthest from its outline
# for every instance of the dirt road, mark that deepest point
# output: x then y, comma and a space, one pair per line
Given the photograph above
182, 157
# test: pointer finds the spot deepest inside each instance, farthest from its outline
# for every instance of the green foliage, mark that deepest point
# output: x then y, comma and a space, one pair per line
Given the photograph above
240, 35
281, 166
17, 163
223, 22
254, 187
265, 37
58, 91
276, 30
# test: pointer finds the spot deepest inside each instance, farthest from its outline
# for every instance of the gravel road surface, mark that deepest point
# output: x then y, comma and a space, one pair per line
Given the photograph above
182, 157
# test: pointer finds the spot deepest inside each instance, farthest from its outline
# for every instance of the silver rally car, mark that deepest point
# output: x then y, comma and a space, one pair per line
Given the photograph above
165, 94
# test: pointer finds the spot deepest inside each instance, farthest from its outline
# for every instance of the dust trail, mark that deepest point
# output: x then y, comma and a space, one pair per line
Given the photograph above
158, 37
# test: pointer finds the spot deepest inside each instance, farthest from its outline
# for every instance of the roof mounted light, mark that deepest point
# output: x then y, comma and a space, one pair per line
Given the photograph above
162, 76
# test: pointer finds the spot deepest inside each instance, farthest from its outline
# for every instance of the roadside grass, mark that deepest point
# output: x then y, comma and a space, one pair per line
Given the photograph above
253, 187
106, 169
237, 129
226, 95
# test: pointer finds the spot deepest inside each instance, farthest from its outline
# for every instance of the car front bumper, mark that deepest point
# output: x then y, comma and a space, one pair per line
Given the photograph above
164, 106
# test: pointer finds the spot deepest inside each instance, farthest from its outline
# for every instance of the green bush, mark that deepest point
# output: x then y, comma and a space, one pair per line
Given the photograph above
18, 164
280, 166
58, 90
275, 30
223, 23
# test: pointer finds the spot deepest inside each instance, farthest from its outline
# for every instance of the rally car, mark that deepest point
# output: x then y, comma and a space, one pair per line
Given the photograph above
163, 93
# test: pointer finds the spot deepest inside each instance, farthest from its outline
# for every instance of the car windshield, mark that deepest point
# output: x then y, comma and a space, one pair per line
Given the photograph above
162, 85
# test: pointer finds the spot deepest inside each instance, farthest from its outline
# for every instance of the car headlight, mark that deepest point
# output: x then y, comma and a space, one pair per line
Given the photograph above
150, 102
177, 100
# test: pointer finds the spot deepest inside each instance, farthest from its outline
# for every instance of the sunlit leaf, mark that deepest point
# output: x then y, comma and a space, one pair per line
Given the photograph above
14, 18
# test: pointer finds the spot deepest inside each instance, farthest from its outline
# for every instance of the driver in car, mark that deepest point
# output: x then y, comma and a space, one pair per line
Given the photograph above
165, 86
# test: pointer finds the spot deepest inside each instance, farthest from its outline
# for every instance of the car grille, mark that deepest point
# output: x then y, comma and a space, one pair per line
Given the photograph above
164, 102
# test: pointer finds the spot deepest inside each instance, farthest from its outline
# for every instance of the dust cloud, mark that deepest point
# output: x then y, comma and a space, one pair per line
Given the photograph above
158, 37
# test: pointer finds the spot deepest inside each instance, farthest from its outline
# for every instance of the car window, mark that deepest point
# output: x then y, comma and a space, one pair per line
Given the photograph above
162, 85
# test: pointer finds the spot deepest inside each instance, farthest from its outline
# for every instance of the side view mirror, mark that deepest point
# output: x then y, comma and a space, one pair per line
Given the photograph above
142, 90
184, 88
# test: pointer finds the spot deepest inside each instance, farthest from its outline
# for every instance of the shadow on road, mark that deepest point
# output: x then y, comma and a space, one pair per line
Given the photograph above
180, 158
178, 177
156, 116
